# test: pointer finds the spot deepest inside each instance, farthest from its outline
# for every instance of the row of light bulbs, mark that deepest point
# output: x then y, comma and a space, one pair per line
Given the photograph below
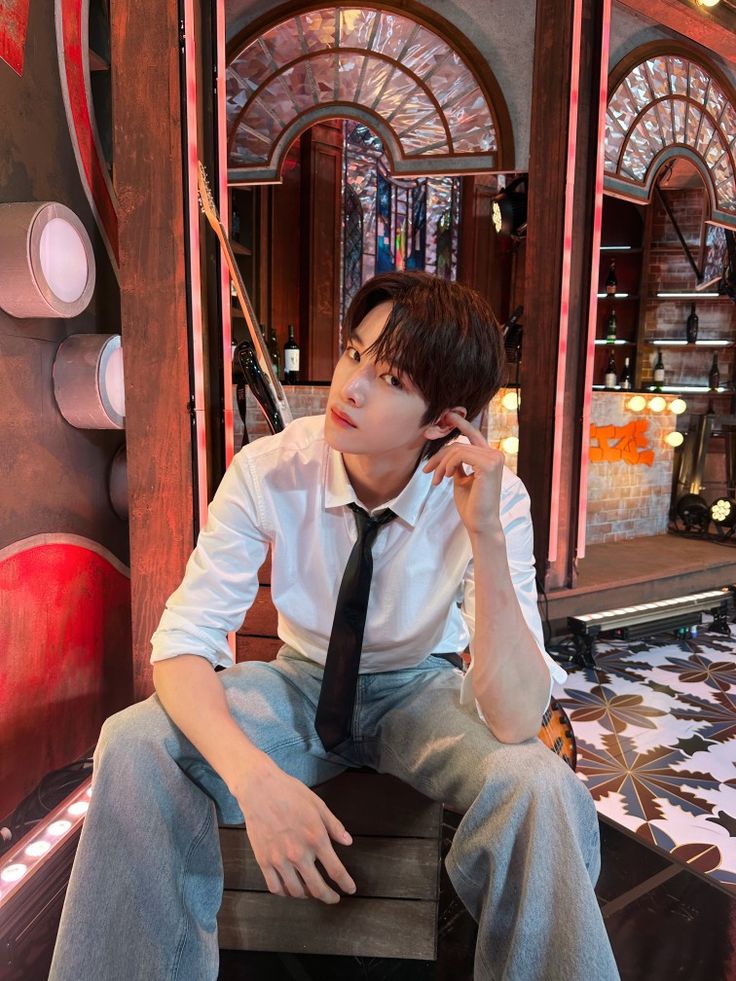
637, 403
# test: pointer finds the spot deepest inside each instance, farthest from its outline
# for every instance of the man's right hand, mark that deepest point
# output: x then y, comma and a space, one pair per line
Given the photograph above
290, 828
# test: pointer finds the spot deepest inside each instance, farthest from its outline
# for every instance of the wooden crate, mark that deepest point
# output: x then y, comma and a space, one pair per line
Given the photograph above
394, 861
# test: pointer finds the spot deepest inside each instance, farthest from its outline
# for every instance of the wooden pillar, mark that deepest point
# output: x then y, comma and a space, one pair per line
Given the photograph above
320, 243
569, 39
153, 298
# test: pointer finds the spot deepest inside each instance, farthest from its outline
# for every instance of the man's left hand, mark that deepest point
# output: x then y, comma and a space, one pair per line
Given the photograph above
478, 494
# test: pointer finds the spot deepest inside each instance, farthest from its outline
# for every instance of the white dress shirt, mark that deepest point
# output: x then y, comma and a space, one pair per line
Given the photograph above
289, 493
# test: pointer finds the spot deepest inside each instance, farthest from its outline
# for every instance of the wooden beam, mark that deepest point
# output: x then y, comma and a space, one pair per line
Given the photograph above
712, 27
562, 170
148, 181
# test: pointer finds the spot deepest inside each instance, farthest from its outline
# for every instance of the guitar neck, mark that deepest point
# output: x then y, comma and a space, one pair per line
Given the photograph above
259, 342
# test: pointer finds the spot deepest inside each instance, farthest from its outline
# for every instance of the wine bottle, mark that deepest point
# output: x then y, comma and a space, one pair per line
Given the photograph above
273, 350
611, 378
714, 375
659, 372
611, 327
611, 282
291, 359
625, 380
691, 328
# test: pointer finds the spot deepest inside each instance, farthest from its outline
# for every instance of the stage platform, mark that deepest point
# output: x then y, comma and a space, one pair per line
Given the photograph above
641, 570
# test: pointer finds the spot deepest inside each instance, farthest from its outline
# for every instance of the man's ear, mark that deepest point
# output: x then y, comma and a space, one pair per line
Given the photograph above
442, 426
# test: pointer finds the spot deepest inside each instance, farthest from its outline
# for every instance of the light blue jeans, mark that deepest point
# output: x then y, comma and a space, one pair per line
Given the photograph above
147, 879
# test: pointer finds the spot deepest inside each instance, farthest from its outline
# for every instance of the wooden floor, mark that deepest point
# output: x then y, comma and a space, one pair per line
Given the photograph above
642, 570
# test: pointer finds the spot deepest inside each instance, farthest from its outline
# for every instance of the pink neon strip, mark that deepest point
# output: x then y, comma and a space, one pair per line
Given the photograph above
554, 522
194, 258
225, 216
595, 260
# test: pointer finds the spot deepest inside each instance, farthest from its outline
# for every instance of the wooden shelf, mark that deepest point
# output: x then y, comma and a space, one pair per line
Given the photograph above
708, 346
602, 342
619, 250
618, 297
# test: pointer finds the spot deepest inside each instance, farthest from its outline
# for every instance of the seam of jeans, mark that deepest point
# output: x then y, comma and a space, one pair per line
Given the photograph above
449, 861
196, 842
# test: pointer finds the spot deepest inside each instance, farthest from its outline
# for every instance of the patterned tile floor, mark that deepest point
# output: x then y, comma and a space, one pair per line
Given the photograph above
655, 723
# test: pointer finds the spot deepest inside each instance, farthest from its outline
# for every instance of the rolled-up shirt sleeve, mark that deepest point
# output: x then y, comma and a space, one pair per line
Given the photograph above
515, 513
221, 576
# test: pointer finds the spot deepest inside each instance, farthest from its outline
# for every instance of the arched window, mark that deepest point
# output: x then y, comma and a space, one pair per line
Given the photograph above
671, 104
430, 104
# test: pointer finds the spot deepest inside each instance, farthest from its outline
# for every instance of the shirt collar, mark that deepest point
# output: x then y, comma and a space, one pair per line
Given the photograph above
339, 492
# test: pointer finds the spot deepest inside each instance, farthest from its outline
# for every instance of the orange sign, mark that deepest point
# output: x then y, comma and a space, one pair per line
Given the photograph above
627, 443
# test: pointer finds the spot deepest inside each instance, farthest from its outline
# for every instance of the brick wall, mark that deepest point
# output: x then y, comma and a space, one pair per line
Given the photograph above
629, 500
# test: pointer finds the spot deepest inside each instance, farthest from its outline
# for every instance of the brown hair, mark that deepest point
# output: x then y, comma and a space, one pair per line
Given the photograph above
442, 334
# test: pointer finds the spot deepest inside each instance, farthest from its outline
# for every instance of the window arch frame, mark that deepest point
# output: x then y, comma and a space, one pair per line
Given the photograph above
641, 191
499, 160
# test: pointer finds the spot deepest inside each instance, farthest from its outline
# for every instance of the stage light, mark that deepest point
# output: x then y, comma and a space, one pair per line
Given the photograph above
657, 404
59, 828
510, 445
693, 511
723, 512
37, 848
508, 210
637, 403
511, 401
678, 406
674, 439
12, 873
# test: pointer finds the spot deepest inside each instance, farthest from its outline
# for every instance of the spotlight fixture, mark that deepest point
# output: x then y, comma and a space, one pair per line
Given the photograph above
693, 512
509, 209
723, 513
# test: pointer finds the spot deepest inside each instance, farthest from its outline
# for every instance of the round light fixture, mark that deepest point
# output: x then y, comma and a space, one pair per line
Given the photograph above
510, 445
511, 401
678, 406
693, 512
47, 264
723, 512
674, 439
657, 404
637, 403
88, 381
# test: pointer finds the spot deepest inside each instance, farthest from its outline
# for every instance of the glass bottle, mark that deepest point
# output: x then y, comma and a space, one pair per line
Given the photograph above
611, 327
691, 328
625, 380
659, 372
611, 282
291, 359
714, 375
611, 378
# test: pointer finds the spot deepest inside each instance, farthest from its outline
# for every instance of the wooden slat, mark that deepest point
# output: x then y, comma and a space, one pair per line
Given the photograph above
261, 619
256, 648
354, 927
387, 868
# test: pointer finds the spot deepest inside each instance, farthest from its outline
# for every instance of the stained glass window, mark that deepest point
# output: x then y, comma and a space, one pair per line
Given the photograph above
405, 81
406, 223
666, 102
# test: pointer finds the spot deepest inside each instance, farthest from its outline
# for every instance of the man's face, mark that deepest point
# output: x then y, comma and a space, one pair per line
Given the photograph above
371, 409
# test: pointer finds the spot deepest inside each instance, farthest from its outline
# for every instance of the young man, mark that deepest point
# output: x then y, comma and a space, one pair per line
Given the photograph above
450, 525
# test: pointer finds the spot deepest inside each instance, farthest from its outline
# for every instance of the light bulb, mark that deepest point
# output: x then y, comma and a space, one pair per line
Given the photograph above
674, 439
511, 401
59, 828
678, 406
37, 848
657, 404
510, 445
636, 403
13, 872
79, 807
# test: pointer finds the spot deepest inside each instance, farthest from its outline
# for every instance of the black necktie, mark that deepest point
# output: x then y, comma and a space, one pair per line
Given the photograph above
337, 695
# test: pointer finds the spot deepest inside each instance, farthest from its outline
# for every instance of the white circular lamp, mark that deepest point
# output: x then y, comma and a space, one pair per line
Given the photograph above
88, 381
47, 264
